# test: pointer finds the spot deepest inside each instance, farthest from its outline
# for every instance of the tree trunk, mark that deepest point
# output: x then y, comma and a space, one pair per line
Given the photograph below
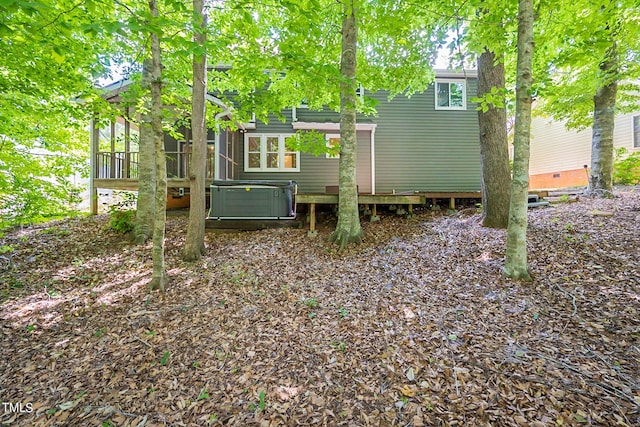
601, 176
348, 228
494, 151
147, 170
516, 260
194, 246
159, 278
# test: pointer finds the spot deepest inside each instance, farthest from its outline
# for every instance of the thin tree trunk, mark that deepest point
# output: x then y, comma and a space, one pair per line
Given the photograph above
147, 170
601, 176
194, 246
348, 228
516, 259
494, 151
159, 278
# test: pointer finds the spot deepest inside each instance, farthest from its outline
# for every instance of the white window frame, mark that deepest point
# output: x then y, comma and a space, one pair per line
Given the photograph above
360, 93
635, 131
263, 153
449, 82
327, 137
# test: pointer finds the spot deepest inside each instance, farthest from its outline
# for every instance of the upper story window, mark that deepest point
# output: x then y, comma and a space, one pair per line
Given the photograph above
269, 153
451, 95
636, 132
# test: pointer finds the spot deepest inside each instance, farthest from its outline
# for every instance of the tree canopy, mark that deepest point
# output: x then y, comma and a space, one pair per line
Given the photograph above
49, 63
573, 41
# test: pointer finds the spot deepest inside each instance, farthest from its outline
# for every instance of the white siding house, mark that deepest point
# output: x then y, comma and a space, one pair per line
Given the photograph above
560, 158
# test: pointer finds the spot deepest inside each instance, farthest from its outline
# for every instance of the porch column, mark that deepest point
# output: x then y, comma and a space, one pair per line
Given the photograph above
216, 151
112, 172
127, 145
93, 157
185, 155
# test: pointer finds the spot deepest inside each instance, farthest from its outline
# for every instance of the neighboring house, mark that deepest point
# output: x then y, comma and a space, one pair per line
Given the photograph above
424, 144
561, 158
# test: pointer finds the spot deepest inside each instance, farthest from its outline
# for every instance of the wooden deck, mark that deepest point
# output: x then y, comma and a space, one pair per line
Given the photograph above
313, 199
363, 199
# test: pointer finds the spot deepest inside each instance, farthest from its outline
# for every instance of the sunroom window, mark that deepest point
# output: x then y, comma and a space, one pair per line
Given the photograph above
269, 153
451, 95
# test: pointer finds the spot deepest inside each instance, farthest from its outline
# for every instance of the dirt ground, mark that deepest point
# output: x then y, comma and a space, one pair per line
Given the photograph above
416, 326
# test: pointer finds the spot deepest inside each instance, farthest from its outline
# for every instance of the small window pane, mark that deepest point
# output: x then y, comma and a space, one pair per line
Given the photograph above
272, 161
636, 132
443, 94
455, 90
290, 160
254, 143
254, 160
334, 147
272, 144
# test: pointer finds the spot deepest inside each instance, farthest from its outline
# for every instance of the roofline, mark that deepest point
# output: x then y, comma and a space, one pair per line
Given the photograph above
456, 74
116, 87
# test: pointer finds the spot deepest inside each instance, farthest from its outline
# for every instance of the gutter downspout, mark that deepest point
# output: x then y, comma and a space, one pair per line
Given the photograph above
373, 161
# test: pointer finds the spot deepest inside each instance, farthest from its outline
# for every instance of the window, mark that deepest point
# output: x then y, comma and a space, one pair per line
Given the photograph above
269, 153
636, 132
360, 94
451, 95
333, 141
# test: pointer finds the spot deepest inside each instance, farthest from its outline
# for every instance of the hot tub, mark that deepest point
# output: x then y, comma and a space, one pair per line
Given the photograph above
252, 199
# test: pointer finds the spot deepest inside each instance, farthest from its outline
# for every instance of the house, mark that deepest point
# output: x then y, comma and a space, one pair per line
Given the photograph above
561, 158
426, 144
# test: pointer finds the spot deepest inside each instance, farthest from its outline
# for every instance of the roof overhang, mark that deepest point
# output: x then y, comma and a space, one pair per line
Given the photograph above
330, 126
456, 74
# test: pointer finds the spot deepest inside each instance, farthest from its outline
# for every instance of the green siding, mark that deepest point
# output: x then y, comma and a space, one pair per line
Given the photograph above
316, 172
418, 148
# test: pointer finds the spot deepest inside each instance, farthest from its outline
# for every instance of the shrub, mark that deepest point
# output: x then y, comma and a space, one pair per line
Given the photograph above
626, 169
121, 215
122, 221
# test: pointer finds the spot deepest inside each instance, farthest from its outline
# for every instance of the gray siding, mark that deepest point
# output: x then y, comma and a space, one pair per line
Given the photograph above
316, 172
419, 148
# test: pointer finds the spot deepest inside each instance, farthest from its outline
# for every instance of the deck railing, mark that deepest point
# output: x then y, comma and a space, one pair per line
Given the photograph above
126, 165
116, 165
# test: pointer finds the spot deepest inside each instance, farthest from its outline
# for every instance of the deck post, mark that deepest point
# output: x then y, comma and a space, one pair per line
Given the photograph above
312, 220
452, 203
374, 213
410, 208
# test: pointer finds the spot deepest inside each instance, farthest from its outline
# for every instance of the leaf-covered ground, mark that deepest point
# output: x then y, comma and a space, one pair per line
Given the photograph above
414, 327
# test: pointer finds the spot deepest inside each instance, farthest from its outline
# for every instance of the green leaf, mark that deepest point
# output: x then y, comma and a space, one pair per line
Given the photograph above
165, 358
203, 394
57, 56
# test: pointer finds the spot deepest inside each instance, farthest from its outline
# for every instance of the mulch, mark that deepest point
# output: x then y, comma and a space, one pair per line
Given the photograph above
416, 326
